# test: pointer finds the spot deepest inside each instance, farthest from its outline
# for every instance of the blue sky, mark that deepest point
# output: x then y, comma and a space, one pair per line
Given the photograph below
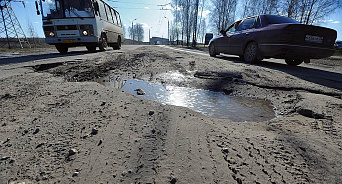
147, 12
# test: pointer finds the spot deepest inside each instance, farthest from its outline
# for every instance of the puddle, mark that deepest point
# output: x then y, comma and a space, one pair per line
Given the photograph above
9, 55
210, 103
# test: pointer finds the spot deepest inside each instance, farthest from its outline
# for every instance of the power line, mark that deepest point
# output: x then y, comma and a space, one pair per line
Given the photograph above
137, 8
139, 3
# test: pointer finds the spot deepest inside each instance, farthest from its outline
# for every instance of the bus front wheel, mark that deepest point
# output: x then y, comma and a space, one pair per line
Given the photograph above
63, 49
103, 43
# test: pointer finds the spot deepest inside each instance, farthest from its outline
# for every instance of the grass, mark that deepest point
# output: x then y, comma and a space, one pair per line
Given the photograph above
12, 50
338, 53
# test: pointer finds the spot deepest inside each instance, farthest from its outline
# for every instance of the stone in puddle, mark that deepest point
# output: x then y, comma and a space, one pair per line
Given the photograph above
140, 92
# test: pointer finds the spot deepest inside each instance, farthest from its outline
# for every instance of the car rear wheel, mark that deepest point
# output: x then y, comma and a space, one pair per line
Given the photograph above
91, 48
293, 62
103, 45
251, 53
212, 50
63, 49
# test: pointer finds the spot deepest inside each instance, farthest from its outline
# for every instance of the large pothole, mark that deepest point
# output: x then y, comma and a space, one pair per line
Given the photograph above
213, 104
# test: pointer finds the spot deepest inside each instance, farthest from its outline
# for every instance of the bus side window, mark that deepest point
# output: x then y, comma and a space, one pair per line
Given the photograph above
119, 20
102, 10
106, 10
96, 8
115, 18
113, 15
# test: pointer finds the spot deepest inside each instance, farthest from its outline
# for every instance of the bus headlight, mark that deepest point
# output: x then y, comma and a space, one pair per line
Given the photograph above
52, 34
85, 33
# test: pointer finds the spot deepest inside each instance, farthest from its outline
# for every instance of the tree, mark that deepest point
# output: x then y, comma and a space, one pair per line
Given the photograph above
257, 7
177, 25
137, 32
309, 11
32, 32
195, 20
202, 31
222, 14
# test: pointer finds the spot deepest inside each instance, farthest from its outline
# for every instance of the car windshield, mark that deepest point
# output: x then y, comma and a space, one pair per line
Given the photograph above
53, 9
275, 19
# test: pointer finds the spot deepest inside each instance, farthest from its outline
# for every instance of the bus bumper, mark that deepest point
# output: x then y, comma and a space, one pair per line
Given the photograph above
73, 42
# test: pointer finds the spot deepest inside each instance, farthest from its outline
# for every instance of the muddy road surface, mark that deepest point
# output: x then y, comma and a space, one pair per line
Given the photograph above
155, 114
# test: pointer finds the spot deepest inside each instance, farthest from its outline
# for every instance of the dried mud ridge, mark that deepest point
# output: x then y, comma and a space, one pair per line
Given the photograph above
54, 131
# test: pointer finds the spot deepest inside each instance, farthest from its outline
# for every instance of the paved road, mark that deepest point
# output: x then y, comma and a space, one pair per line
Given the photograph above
322, 75
272, 60
51, 55
327, 76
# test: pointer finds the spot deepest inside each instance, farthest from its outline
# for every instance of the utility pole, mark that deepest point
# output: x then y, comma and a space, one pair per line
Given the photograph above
10, 29
168, 29
149, 35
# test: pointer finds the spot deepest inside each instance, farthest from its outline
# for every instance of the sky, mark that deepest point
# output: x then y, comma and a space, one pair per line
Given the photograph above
149, 13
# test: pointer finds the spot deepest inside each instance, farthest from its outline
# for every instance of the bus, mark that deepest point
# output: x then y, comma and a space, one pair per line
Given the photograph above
71, 23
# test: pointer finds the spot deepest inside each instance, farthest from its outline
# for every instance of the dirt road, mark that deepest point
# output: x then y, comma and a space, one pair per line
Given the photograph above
59, 126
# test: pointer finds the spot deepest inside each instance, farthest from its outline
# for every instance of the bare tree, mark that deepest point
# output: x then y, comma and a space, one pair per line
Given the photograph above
257, 7
222, 13
314, 10
177, 14
137, 32
32, 32
195, 20
202, 31
309, 11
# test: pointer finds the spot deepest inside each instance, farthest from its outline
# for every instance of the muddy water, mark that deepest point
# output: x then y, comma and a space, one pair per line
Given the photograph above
210, 103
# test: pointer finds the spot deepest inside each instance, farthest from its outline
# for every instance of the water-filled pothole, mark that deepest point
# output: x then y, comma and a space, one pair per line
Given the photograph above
210, 103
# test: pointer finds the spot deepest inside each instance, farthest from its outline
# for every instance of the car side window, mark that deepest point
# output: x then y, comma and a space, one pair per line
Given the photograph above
246, 24
257, 22
231, 29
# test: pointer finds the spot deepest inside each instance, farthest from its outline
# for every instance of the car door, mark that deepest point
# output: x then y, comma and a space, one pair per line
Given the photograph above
222, 43
241, 36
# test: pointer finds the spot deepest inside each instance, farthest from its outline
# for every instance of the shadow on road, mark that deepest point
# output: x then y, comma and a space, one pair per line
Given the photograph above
28, 58
317, 76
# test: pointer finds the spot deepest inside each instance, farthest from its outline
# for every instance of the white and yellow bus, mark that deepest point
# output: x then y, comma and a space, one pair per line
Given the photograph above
71, 23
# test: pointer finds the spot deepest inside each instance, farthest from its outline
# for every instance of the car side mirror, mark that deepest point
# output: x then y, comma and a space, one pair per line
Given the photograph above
37, 8
223, 32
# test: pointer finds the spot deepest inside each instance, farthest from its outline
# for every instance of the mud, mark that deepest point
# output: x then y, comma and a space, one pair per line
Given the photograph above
58, 125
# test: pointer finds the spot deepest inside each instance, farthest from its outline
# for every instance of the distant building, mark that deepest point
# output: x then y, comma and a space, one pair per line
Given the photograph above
159, 41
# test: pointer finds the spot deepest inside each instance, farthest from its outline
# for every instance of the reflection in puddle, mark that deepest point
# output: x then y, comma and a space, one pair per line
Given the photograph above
9, 55
210, 103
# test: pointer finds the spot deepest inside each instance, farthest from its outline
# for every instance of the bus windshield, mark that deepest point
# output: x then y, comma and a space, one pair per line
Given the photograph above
54, 9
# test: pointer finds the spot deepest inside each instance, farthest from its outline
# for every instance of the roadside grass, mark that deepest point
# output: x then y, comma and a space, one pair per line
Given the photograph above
338, 53
14, 50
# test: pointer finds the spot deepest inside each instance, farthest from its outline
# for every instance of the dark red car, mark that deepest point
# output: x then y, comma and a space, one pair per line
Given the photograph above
272, 36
